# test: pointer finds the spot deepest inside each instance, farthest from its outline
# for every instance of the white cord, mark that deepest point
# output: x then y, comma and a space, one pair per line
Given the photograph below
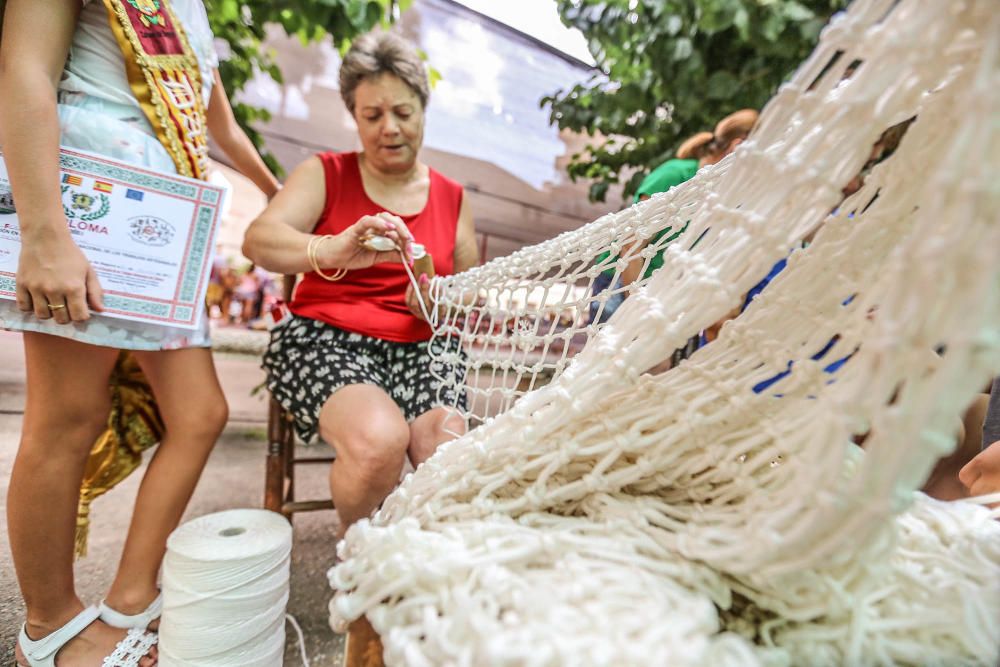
988, 499
302, 639
554, 513
416, 289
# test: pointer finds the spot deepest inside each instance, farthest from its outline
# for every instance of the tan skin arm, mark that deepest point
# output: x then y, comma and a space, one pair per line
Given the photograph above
466, 256
234, 142
279, 238
51, 269
634, 268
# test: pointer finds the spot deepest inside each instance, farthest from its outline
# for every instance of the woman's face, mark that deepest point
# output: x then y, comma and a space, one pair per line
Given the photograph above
390, 122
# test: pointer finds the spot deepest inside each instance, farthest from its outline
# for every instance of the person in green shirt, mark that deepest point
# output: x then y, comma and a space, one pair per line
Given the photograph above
699, 150
672, 172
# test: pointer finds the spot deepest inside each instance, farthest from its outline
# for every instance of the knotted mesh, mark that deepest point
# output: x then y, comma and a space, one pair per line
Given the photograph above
617, 516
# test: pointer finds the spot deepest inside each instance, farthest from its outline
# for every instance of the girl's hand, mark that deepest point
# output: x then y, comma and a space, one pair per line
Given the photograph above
347, 251
55, 280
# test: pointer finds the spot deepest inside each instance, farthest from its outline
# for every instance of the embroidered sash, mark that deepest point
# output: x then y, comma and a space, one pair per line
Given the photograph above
163, 72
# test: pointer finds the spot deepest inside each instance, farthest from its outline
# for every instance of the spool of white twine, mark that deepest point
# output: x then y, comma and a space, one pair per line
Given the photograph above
225, 586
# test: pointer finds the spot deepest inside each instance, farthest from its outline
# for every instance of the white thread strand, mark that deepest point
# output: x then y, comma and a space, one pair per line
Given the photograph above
225, 589
987, 499
416, 290
301, 639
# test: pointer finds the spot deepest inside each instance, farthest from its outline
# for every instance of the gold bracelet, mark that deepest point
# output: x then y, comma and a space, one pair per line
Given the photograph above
312, 250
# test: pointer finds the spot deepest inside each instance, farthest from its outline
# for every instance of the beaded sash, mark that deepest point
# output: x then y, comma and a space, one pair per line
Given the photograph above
163, 72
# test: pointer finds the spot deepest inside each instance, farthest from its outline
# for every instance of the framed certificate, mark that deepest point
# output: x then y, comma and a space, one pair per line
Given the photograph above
149, 236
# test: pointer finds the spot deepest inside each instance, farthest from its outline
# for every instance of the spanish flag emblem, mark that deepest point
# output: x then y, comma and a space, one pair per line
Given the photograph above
101, 186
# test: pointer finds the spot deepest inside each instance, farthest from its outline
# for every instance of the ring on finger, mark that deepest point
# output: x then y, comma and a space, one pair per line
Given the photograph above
56, 306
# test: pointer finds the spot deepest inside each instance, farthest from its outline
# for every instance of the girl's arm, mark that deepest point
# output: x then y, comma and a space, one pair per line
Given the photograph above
234, 142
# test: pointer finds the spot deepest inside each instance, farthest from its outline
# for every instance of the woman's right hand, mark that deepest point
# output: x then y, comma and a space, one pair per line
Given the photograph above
55, 280
346, 250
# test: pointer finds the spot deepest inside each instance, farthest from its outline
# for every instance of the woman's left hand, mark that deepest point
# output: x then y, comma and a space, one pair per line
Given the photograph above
425, 293
347, 250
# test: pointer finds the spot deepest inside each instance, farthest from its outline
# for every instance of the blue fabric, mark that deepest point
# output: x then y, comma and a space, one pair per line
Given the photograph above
829, 368
601, 283
759, 287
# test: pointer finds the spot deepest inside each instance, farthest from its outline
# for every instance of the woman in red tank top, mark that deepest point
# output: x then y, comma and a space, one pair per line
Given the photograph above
352, 362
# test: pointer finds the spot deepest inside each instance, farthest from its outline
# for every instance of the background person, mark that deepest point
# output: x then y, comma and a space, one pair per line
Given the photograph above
353, 361
248, 293
670, 173
700, 150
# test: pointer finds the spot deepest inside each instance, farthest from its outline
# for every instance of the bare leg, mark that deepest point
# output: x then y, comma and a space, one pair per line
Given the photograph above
370, 435
227, 306
66, 410
194, 411
247, 313
430, 430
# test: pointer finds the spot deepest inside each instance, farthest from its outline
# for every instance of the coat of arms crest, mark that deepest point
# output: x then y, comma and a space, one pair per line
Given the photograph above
149, 10
84, 206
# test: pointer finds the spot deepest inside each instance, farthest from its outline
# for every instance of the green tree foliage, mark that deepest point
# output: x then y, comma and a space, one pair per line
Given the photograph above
671, 68
242, 23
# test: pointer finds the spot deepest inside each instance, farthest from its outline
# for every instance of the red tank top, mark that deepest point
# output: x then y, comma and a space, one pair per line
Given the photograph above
372, 301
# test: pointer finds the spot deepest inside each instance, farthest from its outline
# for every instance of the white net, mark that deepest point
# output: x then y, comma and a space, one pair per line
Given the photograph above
615, 516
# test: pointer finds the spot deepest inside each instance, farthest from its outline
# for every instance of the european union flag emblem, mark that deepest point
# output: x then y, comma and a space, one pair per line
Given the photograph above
134, 194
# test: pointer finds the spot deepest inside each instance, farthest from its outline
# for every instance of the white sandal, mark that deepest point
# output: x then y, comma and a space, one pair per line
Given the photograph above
42, 653
139, 621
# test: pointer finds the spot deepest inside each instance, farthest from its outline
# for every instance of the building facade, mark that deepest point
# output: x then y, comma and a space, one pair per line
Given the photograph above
485, 126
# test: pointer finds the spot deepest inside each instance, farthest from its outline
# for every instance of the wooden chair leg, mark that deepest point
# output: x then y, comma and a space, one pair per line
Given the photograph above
289, 467
363, 647
277, 459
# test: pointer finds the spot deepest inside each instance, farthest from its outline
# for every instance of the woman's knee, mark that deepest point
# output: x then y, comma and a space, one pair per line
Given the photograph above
430, 429
375, 449
75, 421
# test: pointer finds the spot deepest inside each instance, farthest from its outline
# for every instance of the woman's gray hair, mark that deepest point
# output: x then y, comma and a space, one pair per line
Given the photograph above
377, 53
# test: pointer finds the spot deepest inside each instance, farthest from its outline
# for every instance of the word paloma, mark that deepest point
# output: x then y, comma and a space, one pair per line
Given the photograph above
92, 227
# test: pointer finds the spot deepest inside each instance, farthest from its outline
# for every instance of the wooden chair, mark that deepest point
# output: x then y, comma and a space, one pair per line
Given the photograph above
279, 482
363, 646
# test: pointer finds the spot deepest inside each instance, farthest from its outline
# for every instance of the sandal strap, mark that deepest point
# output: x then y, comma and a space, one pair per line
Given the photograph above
42, 653
129, 651
116, 619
